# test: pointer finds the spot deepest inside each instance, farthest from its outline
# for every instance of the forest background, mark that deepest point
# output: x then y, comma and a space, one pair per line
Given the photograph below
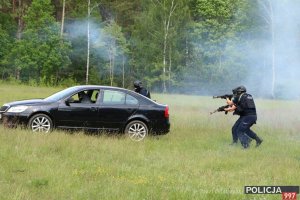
177, 46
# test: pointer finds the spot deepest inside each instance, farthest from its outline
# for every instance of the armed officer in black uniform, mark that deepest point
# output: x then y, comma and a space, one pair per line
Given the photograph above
138, 87
243, 105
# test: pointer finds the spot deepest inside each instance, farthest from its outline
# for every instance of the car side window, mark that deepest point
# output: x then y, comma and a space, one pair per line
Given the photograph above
130, 100
112, 97
85, 97
94, 95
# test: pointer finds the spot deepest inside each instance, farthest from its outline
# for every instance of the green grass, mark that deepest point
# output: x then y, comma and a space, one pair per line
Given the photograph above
193, 161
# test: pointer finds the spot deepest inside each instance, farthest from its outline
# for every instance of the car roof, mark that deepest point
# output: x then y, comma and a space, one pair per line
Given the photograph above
115, 88
99, 87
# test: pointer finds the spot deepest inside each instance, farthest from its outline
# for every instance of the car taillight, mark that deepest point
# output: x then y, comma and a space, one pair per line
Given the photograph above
167, 112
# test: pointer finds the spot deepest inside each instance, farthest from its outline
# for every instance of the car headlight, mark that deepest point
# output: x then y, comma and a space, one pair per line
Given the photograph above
17, 109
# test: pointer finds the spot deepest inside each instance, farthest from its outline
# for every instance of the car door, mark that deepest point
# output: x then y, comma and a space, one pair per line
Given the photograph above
78, 112
115, 108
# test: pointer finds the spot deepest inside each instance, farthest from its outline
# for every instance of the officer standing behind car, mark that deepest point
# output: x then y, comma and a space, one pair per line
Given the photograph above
138, 87
243, 105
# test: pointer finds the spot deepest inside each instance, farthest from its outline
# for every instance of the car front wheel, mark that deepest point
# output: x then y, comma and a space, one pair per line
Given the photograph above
137, 130
40, 123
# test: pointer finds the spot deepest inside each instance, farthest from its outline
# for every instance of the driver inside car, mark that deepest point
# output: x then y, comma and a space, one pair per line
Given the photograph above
83, 97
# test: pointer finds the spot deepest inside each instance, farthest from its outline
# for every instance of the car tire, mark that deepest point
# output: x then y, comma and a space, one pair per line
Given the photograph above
136, 130
40, 123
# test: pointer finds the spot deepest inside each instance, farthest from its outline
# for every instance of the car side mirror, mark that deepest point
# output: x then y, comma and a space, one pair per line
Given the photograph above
69, 100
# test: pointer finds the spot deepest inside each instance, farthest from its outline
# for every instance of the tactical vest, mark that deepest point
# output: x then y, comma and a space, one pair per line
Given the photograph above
143, 92
245, 105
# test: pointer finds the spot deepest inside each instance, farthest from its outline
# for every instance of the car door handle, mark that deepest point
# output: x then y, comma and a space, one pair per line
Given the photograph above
93, 109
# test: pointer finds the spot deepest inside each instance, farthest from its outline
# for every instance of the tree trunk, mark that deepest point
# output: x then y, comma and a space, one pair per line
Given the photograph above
112, 53
186, 52
220, 62
63, 19
17, 74
88, 44
19, 31
123, 71
20, 22
164, 63
110, 66
167, 22
112, 69
273, 50
13, 6
269, 18
170, 65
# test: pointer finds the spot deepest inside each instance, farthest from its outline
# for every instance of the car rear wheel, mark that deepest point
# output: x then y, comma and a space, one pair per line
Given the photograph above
40, 123
137, 130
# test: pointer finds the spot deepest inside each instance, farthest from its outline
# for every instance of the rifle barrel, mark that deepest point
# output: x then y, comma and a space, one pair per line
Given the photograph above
213, 112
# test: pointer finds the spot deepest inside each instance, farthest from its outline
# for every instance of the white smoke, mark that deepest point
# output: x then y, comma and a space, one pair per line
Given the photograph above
284, 16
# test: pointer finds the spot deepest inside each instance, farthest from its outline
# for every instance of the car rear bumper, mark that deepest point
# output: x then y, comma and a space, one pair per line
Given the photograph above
161, 127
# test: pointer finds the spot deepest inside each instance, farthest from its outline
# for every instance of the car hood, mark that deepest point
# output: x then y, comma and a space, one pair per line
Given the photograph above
26, 102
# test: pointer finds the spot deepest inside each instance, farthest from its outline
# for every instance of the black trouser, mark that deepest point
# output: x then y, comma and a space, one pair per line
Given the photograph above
241, 129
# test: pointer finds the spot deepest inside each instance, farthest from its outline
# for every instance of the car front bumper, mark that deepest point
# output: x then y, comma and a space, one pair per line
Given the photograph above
12, 120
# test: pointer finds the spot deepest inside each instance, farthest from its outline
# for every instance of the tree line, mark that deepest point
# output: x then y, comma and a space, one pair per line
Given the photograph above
171, 45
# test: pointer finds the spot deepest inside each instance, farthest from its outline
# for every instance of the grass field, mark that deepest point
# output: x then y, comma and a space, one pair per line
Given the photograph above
193, 161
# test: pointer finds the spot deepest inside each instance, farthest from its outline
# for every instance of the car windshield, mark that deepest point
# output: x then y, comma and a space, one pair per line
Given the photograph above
62, 94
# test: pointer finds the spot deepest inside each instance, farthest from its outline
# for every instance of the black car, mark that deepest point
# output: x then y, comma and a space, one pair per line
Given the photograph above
93, 107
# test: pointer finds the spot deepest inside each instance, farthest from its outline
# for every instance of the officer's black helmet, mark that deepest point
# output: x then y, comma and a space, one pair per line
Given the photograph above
239, 90
137, 84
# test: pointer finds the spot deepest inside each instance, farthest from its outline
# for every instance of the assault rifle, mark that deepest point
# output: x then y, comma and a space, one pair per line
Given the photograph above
225, 96
220, 109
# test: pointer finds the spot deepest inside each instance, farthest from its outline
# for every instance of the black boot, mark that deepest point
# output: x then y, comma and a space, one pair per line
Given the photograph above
245, 145
258, 141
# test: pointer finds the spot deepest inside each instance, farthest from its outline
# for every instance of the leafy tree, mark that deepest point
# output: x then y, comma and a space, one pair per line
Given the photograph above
115, 46
4, 4
41, 50
159, 31
7, 34
216, 34
166, 43
6, 44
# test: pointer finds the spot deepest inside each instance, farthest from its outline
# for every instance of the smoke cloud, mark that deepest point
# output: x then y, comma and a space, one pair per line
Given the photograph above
103, 45
269, 65
278, 67
265, 60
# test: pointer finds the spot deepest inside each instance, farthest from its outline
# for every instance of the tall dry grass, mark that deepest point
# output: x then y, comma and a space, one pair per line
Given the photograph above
193, 161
